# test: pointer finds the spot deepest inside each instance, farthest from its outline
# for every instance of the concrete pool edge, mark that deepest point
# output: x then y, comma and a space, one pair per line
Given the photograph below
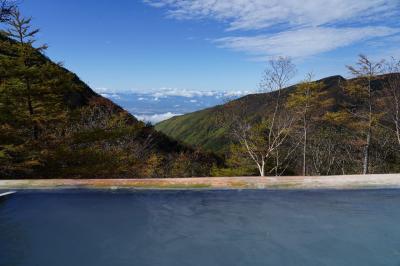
286, 182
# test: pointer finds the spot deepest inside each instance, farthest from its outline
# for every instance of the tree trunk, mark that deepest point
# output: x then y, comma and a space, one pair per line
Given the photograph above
261, 168
277, 162
369, 132
305, 148
396, 118
397, 132
31, 112
366, 153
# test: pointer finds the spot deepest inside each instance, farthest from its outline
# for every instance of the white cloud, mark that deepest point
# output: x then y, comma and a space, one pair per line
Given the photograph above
165, 92
259, 14
302, 42
297, 28
157, 94
155, 118
236, 93
111, 95
383, 48
104, 90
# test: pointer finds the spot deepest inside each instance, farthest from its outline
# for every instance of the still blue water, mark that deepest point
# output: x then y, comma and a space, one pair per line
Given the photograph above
204, 228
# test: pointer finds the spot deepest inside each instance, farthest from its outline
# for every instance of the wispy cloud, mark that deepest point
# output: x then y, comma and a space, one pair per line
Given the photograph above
302, 42
112, 95
156, 94
165, 92
294, 28
259, 14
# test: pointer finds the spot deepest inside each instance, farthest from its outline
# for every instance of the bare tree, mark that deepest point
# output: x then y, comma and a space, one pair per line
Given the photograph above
392, 95
330, 150
323, 155
276, 78
261, 141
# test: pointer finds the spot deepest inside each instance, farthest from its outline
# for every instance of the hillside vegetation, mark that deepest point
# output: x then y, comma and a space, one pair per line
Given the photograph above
208, 130
52, 125
330, 126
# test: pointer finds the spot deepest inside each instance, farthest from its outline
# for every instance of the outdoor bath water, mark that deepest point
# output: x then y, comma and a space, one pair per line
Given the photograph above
204, 227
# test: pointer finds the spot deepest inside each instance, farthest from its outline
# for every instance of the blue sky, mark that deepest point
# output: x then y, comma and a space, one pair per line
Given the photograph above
207, 44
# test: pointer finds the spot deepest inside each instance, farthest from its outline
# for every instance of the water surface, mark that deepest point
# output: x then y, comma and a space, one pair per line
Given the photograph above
189, 228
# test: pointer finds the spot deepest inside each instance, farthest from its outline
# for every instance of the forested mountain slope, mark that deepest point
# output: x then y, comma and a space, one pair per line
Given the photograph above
209, 128
205, 128
329, 126
53, 125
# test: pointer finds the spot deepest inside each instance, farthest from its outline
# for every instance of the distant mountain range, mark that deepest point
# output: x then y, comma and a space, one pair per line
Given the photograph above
156, 106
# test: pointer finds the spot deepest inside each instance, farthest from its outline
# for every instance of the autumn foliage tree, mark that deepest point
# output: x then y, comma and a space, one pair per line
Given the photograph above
305, 101
364, 109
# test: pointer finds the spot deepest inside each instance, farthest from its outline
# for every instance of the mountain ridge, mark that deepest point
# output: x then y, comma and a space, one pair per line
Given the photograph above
202, 130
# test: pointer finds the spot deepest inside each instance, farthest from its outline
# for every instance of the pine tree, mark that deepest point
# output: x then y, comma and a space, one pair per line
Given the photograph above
27, 67
31, 97
6, 8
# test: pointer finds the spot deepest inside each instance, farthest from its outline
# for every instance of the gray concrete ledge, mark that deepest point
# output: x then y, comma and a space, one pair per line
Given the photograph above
293, 182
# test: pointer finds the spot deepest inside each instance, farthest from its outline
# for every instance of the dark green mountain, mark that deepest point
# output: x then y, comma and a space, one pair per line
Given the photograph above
52, 125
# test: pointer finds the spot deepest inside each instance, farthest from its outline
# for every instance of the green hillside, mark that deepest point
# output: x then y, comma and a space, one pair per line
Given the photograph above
52, 125
324, 127
206, 130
